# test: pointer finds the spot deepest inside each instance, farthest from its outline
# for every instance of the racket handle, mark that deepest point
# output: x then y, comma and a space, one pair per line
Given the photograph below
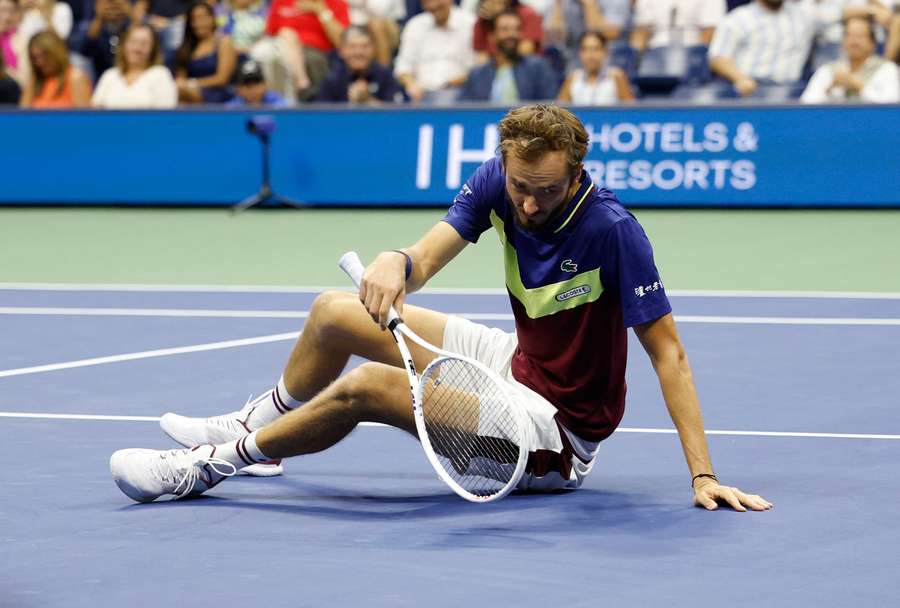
351, 264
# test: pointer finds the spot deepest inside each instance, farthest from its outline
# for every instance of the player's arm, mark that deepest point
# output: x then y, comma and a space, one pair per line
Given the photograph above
660, 339
385, 283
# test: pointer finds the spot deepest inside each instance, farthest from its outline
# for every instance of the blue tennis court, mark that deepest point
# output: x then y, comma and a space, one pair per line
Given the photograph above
799, 392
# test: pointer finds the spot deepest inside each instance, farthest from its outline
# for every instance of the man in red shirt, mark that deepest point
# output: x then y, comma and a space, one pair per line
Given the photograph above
301, 33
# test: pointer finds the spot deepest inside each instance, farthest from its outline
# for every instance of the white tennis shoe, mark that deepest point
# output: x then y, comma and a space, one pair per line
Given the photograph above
145, 475
191, 432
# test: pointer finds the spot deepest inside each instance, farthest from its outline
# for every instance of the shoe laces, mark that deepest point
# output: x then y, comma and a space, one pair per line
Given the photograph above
235, 421
178, 466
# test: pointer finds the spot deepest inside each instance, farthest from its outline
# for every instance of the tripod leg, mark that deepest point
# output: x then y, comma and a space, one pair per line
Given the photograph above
287, 202
248, 202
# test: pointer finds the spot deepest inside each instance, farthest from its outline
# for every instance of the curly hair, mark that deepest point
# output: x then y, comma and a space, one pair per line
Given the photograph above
531, 131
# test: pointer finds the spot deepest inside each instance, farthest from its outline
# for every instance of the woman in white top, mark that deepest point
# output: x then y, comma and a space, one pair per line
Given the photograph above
593, 84
862, 76
138, 80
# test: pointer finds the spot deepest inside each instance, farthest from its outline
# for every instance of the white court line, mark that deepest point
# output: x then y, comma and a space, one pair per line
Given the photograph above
705, 293
147, 354
474, 316
648, 431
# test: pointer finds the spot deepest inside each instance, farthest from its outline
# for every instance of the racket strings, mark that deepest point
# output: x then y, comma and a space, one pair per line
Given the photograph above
470, 425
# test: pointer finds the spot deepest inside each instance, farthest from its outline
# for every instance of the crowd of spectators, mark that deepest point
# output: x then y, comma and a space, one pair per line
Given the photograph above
165, 53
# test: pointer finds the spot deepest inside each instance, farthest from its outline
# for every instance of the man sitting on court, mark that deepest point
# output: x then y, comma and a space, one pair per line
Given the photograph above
579, 271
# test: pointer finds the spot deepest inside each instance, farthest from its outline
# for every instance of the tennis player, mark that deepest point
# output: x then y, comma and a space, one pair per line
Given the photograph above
579, 271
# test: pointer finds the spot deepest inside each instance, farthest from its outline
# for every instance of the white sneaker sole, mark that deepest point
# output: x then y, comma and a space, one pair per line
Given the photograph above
170, 426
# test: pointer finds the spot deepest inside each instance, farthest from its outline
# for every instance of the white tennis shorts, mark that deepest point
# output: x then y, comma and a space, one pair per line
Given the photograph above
495, 348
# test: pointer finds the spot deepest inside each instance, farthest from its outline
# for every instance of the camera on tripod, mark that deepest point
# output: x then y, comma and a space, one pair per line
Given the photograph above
262, 126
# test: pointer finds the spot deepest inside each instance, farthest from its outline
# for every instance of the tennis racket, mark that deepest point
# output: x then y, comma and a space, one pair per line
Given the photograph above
474, 434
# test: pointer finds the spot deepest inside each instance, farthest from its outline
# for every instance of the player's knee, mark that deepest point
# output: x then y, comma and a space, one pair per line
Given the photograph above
359, 387
329, 309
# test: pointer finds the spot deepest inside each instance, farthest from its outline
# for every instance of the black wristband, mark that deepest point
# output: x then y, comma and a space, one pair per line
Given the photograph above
408, 262
698, 476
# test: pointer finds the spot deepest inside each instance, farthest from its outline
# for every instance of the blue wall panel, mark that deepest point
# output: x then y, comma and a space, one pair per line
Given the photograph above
729, 156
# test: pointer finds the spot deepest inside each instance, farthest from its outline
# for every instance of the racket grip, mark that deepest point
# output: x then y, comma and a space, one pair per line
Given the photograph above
353, 266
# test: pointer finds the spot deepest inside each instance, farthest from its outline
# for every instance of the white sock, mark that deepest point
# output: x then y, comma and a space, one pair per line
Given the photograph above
241, 452
271, 406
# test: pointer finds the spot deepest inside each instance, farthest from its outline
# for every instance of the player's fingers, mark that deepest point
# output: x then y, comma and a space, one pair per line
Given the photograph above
398, 302
755, 502
383, 310
731, 498
705, 501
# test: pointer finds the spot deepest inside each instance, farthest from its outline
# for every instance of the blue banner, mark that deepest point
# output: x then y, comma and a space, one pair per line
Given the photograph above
721, 156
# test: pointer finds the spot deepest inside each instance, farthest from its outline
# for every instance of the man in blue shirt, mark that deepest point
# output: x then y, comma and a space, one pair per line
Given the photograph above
251, 90
579, 272
508, 77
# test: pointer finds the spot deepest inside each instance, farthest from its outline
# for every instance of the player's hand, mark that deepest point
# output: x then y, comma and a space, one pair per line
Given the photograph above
745, 86
384, 285
709, 494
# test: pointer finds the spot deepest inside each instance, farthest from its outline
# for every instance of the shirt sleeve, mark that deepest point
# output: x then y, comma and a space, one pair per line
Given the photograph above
340, 10
406, 54
817, 89
883, 86
630, 269
273, 22
532, 26
713, 13
725, 41
470, 213
616, 11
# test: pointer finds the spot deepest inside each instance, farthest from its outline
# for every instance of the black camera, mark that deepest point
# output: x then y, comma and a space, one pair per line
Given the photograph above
262, 125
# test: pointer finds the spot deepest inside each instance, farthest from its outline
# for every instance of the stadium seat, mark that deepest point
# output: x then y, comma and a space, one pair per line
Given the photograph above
825, 52
623, 56
661, 69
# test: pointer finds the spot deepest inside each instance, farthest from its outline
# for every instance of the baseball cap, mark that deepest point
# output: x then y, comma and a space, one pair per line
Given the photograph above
250, 73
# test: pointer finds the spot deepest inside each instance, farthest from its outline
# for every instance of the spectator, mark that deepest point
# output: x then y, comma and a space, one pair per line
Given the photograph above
104, 34
139, 80
304, 33
244, 23
831, 15
381, 18
436, 52
594, 84
509, 77
766, 42
532, 28
862, 76
39, 15
206, 60
9, 40
166, 17
53, 83
892, 47
251, 89
357, 77
10, 92
569, 19
661, 23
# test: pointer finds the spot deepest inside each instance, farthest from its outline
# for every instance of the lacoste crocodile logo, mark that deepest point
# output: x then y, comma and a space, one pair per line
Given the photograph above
568, 266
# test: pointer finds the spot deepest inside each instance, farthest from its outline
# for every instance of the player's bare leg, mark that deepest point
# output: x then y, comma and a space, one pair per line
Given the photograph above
372, 392
339, 326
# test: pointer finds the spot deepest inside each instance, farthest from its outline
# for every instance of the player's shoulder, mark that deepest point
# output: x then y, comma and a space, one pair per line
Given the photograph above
606, 211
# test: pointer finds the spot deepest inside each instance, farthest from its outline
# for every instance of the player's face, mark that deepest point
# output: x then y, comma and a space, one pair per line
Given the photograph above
539, 190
